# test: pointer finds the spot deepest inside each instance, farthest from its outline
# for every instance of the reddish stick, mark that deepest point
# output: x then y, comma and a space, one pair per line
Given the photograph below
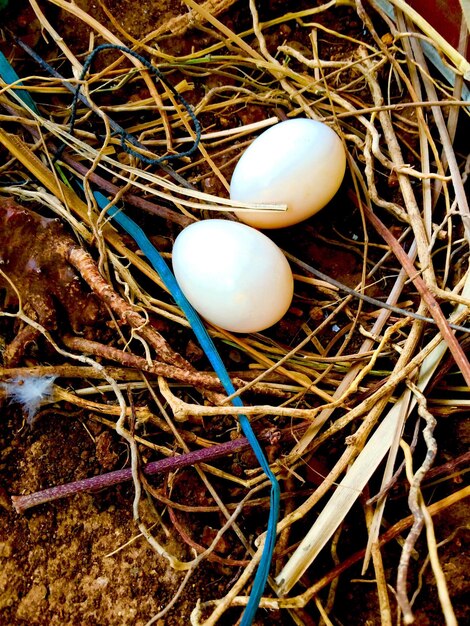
434, 308
204, 455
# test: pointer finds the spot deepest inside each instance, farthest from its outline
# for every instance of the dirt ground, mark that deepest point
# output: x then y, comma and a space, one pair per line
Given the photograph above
82, 560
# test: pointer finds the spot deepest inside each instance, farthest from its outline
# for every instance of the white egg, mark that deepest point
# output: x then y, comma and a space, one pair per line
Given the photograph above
233, 275
299, 162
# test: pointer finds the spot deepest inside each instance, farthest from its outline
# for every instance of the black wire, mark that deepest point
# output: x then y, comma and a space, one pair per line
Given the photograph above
114, 125
125, 136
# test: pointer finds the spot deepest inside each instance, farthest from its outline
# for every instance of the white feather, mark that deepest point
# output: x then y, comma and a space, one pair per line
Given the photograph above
30, 392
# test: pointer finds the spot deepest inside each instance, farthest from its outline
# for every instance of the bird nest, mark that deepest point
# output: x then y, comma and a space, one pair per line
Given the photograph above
347, 392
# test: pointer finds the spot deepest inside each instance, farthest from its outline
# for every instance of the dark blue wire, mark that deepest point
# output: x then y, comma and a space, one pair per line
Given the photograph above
212, 354
127, 137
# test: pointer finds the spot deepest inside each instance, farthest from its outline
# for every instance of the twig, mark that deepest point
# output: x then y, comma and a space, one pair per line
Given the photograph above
184, 375
393, 532
361, 296
421, 516
459, 60
205, 455
363, 467
461, 197
449, 467
131, 198
84, 263
398, 164
434, 308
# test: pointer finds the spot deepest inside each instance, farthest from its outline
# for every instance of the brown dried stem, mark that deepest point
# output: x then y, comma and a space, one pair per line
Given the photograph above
204, 455
433, 307
184, 375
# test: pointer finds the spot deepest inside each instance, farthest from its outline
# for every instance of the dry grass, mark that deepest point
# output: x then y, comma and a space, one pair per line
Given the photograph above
359, 390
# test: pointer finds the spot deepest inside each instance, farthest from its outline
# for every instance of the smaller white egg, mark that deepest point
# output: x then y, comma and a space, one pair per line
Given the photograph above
233, 275
299, 162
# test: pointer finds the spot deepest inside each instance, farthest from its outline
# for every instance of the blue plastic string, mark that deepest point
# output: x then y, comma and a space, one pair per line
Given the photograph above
212, 354
9, 75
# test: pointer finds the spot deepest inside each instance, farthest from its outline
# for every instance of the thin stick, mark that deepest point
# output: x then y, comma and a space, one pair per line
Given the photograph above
204, 455
397, 529
363, 467
434, 308
459, 61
